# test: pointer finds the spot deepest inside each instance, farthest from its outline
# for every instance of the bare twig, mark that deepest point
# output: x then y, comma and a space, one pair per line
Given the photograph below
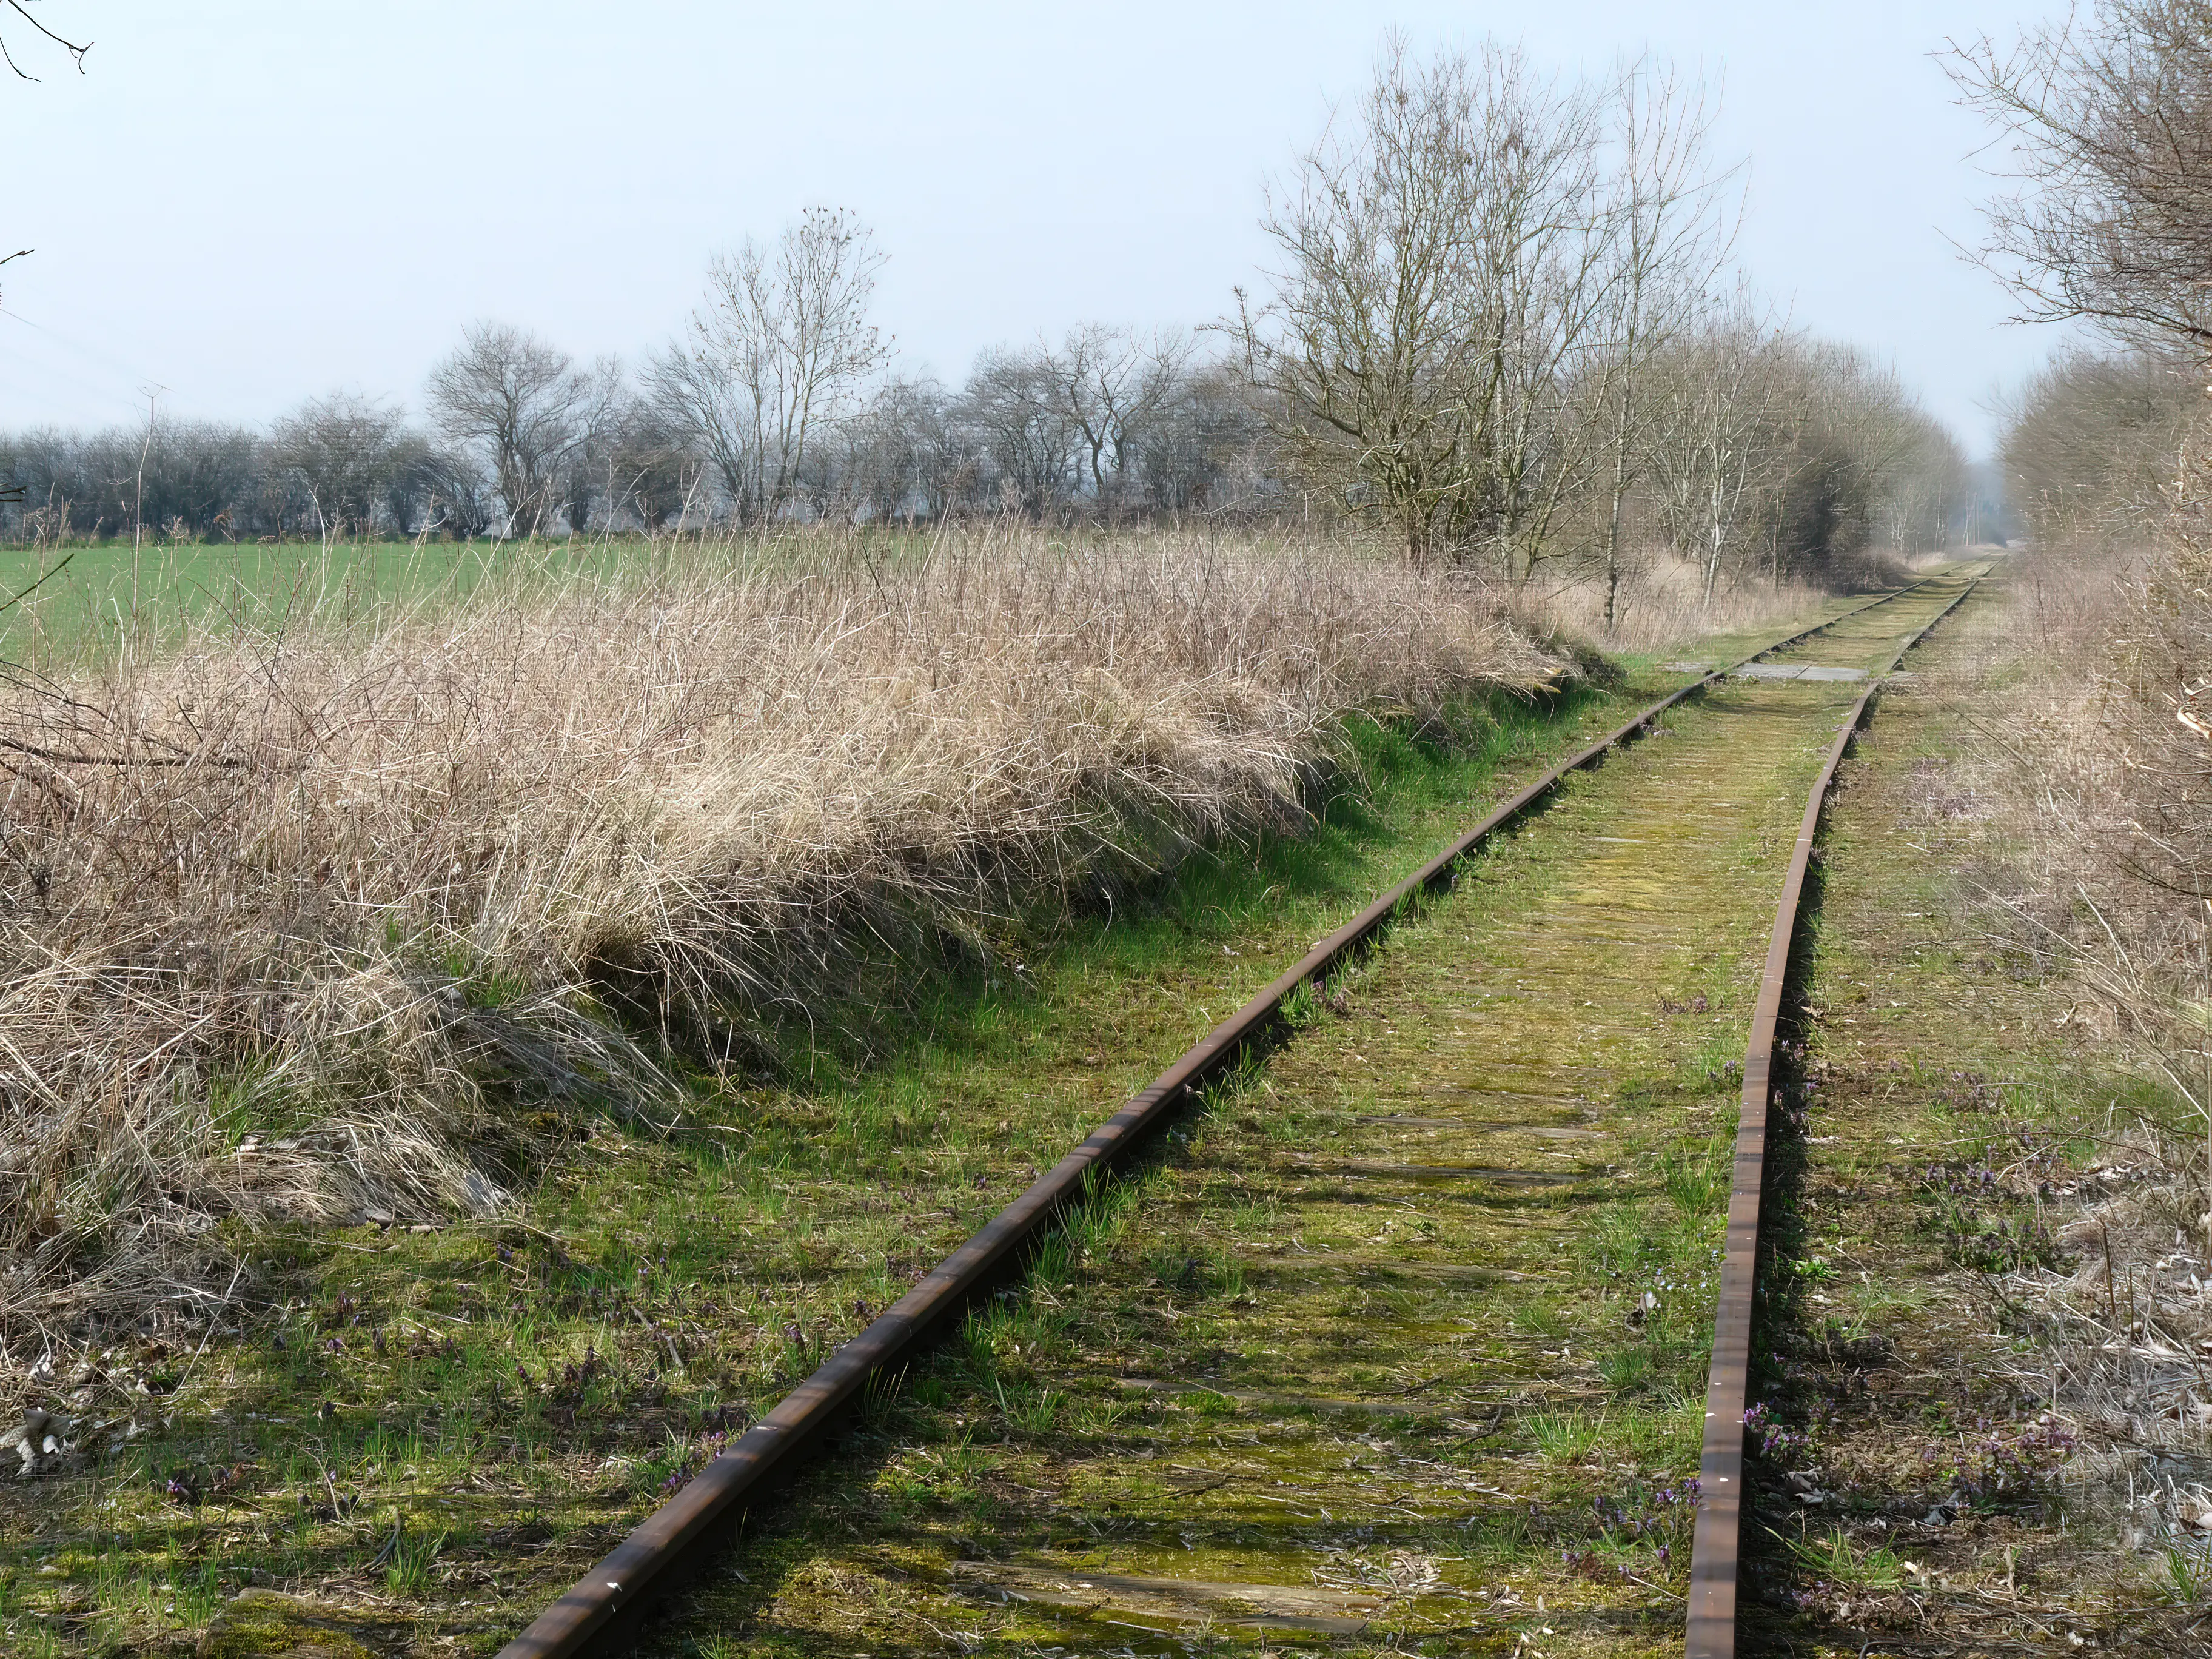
76, 52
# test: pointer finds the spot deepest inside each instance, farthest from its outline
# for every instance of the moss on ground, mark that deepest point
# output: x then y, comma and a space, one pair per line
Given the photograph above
261, 1624
506, 1399
440, 1428
1398, 1345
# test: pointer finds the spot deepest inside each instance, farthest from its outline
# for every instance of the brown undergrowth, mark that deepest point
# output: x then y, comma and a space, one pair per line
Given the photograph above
2086, 789
1662, 602
1985, 1420
325, 916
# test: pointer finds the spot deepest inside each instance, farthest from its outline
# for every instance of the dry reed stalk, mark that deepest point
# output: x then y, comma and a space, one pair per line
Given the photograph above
1661, 606
293, 909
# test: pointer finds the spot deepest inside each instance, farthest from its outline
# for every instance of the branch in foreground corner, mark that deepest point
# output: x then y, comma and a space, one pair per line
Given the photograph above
76, 52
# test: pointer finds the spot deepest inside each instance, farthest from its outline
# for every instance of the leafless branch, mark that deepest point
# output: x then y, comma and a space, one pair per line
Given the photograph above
2109, 123
76, 52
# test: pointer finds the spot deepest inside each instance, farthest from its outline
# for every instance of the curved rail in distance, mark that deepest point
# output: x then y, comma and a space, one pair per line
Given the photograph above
1715, 1549
599, 1614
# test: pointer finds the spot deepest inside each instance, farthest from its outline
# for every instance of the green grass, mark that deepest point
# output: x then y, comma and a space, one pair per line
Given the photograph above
1567, 1437
417, 1415
93, 595
1834, 1556
468, 1390
1696, 1178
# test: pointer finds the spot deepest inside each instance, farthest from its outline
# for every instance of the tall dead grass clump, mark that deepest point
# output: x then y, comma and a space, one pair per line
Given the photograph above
1661, 604
2098, 729
2090, 797
296, 914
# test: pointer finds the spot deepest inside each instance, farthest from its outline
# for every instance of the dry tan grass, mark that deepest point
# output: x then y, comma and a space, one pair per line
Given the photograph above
291, 913
2102, 789
2033, 678
1661, 605
2091, 797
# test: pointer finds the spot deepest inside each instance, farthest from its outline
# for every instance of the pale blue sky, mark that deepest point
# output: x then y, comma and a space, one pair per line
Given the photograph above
249, 203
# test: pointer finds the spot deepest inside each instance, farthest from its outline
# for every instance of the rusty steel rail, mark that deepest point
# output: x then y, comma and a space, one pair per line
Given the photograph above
599, 1614
1716, 1545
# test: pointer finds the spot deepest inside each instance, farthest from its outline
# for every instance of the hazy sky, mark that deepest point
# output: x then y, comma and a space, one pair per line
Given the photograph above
247, 204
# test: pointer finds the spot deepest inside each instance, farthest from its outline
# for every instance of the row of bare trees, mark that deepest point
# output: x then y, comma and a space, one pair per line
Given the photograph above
523, 441
2105, 118
1499, 327
1765, 448
1498, 324
2091, 443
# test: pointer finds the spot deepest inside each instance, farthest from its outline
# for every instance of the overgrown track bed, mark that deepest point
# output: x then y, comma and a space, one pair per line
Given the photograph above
1526, 1151
1715, 1563
1984, 1322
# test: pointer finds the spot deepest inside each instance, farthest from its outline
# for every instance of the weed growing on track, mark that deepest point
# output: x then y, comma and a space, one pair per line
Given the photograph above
1473, 1405
522, 1389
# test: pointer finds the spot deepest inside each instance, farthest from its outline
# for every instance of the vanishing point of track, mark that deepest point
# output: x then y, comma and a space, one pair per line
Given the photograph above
602, 1612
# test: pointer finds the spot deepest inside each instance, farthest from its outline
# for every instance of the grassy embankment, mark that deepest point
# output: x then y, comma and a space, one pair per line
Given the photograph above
767, 809
1403, 1345
658, 1280
1985, 1341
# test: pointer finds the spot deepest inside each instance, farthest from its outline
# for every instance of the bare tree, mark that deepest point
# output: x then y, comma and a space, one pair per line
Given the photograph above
1449, 286
1544, 266
459, 499
1361, 350
1013, 405
653, 472
345, 449
1107, 384
1674, 228
1203, 444
776, 355
898, 453
1874, 438
1713, 458
1770, 448
2109, 123
7, 54
1924, 494
2090, 441
409, 475
525, 409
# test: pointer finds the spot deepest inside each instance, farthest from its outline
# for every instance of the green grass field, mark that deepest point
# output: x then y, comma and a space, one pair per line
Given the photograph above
71, 603
93, 596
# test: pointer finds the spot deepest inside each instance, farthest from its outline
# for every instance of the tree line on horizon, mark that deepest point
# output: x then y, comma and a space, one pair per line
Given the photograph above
1498, 332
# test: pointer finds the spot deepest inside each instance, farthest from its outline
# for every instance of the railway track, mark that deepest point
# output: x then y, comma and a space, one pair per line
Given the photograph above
1350, 1419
